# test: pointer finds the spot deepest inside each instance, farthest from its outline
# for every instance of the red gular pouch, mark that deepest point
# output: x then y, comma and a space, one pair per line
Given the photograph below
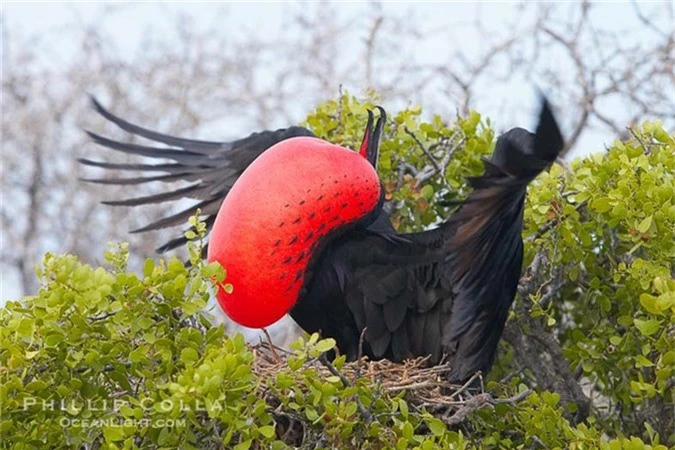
286, 205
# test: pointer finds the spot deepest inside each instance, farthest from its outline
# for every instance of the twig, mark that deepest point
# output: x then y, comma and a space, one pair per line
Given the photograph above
357, 372
645, 148
272, 349
515, 399
364, 412
548, 226
424, 175
466, 385
470, 406
411, 387
511, 375
106, 368
424, 149
103, 317
527, 282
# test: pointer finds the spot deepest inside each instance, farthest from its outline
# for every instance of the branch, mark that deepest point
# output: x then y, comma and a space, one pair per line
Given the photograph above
538, 348
364, 412
549, 226
470, 406
477, 402
423, 148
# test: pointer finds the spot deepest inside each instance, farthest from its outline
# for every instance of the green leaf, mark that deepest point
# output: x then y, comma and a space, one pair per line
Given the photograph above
53, 339
641, 361
113, 433
601, 204
268, 431
145, 322
148, 267
24, 327
403, 407
244, 445
436, 426
645, 224
647, 327
408, 430
37, 385
550, 398
313, 339
428, 191
649, 303
189, 355
325, 345
138, 355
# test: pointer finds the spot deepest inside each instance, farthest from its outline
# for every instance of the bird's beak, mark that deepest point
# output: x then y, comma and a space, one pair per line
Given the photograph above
370, 146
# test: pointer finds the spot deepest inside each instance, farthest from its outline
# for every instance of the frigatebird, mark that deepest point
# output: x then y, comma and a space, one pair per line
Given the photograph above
299, 225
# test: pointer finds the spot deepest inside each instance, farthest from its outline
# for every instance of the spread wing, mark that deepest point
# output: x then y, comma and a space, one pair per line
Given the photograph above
448, 291
210, 167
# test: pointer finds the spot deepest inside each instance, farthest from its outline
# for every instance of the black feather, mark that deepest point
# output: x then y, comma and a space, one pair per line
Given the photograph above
156, 198
212, 168
142, 167
206, 206
136, 180
182, 156
188, 144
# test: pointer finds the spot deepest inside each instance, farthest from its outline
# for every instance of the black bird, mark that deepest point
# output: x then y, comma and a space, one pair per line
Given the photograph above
444, 292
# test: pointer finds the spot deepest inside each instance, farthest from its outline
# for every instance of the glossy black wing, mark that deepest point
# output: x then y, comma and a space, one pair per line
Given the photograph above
402, 307
210, 167
486, 248
406, 294
447, 291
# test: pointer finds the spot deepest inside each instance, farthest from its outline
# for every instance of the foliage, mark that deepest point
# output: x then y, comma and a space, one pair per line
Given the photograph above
171, 378
416, 189
607, 240
612, 258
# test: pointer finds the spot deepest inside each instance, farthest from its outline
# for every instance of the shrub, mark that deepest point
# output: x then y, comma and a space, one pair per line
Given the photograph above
105, 358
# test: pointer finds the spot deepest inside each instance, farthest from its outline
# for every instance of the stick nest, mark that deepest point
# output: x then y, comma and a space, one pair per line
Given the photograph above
425, 386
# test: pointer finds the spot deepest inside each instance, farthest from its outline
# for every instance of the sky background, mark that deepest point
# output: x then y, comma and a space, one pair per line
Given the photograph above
131, 25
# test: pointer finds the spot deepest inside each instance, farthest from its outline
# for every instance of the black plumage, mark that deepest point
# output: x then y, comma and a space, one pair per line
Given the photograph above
445, 292
211, 167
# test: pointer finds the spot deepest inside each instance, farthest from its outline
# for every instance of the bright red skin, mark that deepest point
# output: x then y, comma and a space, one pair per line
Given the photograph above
276, 213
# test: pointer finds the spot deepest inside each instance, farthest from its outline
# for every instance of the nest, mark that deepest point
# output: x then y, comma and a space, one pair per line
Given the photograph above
425, 388
425, 385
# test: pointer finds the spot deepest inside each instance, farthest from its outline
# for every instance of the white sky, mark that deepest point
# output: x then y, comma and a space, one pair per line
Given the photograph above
130, 23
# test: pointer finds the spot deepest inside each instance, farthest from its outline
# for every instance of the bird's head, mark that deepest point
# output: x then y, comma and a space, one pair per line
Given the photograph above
286, 206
